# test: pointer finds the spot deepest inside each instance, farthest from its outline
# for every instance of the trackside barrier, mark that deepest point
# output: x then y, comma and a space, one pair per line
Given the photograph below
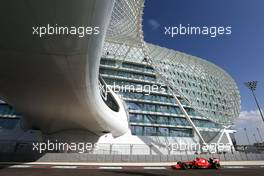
86, 157
11, 151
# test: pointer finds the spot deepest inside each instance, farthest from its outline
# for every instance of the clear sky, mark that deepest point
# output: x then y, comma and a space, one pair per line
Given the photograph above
241, 54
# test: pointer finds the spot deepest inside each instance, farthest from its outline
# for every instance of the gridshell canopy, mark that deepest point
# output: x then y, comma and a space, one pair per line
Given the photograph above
124, 38
208, 88
126, 23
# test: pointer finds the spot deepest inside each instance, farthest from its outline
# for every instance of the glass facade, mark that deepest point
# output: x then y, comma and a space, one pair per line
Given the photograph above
8, 116
160, 131
152, 113
8, 123
7, 111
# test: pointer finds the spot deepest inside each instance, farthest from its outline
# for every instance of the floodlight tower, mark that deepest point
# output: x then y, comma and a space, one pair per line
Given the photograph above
252, 85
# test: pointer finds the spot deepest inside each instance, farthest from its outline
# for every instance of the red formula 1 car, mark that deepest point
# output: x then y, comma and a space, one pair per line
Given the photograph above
211, 163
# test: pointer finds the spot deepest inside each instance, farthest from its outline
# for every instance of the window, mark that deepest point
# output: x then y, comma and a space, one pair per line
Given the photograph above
163, 131
150, 131
150, 119
180, 132
133, 106
163, 108
138, 118
149, 107
162, 120
137, 130
8, 124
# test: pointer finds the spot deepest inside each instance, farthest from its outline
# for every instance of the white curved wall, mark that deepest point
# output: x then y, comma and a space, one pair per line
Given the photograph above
53, 80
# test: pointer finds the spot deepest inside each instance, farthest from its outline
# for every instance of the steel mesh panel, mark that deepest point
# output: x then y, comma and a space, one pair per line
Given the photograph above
125, 25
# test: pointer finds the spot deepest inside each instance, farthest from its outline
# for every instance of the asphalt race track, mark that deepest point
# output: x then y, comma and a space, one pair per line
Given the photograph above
132, 171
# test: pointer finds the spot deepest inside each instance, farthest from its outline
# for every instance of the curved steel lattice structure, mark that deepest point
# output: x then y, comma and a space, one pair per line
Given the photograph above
126, 23
124, 38
208, 88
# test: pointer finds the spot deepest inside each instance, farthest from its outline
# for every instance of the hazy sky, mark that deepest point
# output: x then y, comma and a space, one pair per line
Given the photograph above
241, 54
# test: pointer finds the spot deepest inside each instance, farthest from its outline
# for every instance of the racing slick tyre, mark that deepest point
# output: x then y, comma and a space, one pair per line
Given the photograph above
185, 166
216, 166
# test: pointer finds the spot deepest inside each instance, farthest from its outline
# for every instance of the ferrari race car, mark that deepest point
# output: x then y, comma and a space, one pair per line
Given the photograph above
211, 163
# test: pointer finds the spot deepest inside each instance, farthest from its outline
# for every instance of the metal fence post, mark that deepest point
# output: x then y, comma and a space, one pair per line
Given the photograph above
131, 149
110, 150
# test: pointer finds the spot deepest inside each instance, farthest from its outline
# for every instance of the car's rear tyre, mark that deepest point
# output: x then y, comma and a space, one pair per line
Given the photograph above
185, 166
216, 166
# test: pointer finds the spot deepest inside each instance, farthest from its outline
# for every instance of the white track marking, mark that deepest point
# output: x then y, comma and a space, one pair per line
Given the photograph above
20, 166
154, 168
235, 167
110, 167
64, 167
